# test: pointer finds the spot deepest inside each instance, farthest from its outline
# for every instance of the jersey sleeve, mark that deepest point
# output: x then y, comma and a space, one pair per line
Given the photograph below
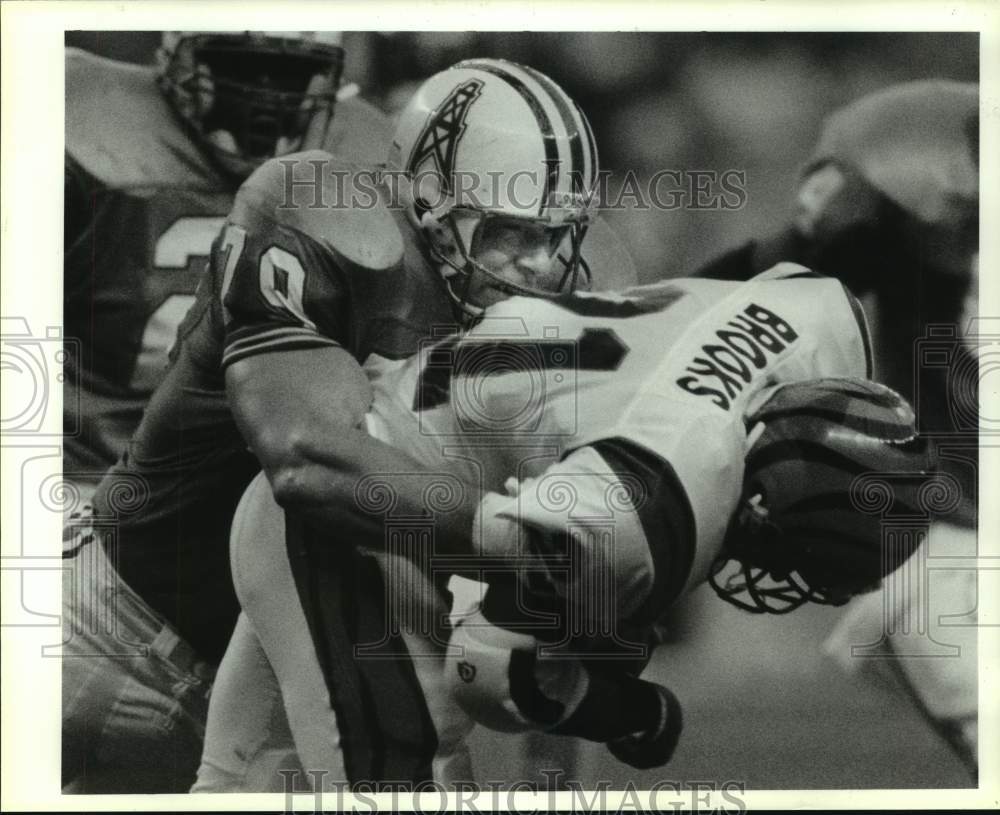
281, 290
835, 320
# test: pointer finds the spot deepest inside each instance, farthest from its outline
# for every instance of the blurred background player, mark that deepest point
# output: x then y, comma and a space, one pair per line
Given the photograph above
153, 160
434, 258
889, 203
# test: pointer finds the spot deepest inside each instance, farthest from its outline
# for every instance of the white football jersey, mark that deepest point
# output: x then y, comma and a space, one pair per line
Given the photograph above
671, 367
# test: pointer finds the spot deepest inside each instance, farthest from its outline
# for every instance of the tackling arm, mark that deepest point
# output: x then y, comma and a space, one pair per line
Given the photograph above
306, 432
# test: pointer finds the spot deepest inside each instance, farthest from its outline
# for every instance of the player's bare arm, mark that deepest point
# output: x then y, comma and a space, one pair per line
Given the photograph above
307, 437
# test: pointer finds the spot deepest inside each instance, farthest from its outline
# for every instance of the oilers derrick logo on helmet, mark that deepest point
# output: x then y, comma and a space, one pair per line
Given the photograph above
488, 147
442, 133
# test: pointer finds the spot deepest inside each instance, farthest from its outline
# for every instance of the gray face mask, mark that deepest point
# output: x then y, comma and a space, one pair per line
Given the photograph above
469, 245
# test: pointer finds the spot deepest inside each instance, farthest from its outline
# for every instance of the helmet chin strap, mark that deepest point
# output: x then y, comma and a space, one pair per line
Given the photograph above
430, 227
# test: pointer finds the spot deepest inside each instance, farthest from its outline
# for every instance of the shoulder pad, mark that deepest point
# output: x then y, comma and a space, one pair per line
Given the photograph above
121, 130
359, 132
611, 265
917, 143
333, 201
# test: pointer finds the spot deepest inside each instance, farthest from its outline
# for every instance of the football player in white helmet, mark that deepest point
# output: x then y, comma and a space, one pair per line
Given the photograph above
518, 165
309, 294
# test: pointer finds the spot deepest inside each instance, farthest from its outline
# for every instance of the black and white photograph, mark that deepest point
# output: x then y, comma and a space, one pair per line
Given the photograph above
457, 415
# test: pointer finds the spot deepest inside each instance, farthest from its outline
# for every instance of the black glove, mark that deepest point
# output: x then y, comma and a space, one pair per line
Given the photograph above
656, 746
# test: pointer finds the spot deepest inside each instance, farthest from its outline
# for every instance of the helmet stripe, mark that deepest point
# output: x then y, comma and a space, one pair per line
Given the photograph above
887, 431
841, 501
799, 450
591, 144
577, 167
541, 117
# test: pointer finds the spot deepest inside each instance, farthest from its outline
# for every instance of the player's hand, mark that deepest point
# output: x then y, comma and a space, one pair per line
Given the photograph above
656, 746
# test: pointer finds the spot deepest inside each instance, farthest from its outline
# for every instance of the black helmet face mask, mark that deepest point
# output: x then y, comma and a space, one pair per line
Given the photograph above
251, 97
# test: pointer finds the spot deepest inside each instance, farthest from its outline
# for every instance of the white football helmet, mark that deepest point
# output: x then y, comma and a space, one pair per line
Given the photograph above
250, 95
490, 142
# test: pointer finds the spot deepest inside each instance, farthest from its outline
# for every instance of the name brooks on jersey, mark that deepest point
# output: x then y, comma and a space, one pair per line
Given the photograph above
649, 365
751, 338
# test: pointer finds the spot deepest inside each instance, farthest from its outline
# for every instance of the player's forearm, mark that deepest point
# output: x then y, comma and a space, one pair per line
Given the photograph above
300, 412
358, 483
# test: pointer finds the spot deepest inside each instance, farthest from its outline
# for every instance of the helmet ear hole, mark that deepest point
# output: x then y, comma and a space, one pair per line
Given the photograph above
441, 241
431, 224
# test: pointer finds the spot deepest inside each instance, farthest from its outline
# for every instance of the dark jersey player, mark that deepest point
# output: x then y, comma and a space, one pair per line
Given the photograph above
151, 171
293, 332
153, 161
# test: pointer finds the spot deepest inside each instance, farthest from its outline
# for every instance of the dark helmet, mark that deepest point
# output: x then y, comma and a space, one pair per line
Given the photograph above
893, 185
250, 95
834, 458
